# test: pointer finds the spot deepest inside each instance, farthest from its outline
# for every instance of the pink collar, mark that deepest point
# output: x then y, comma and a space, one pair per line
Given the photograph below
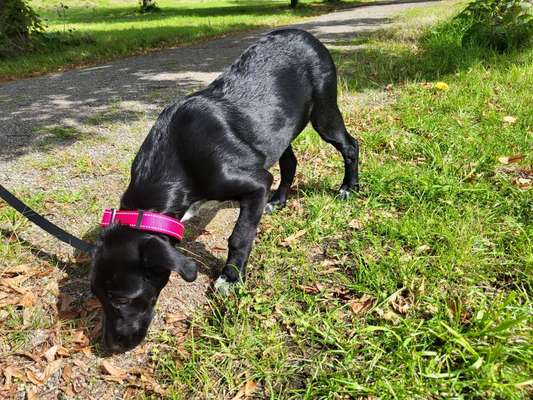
144, 221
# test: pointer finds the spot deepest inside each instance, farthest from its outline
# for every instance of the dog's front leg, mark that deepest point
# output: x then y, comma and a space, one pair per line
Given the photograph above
241, 240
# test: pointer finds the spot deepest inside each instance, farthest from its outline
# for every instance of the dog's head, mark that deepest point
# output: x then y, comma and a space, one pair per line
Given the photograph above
129, 269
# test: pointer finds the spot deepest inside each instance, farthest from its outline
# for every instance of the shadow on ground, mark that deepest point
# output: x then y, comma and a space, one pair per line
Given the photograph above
135, 87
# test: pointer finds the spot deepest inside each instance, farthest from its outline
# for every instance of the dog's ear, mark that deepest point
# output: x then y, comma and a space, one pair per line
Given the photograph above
159, 253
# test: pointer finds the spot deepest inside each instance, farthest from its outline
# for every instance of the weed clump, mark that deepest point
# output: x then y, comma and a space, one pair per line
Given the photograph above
19, 25
500, 25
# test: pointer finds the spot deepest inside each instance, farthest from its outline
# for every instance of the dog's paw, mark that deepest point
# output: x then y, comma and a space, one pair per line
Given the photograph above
273, 206
224, 287
346, 192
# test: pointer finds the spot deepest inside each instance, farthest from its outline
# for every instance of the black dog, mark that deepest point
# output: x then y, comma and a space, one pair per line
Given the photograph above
218, 144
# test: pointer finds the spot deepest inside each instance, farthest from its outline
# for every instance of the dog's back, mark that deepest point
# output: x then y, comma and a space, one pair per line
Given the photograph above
266, 97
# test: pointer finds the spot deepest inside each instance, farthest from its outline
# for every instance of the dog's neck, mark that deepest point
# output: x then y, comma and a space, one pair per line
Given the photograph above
162, 197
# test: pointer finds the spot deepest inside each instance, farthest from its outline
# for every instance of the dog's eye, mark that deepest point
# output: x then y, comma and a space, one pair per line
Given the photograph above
120, 300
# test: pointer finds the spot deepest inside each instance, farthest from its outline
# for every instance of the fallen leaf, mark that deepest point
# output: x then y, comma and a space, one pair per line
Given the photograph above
361, 305
524, 183
172, 318
50, 354
401, 305
67, 373
52, 368
34, 378
509, 119
12, 372
423, 249
246, 390
15, 270
67, 390
65, 307
28, 300
288, 240
314, 289
87, 352
115, 372
390, 316
14, 283
80, 339
62, 351
510, 159
31, 394
355, 224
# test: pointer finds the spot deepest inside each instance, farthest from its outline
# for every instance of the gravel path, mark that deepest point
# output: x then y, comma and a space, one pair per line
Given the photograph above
66, 141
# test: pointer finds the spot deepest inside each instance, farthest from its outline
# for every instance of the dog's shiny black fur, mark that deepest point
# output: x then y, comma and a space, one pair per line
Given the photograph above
218, 144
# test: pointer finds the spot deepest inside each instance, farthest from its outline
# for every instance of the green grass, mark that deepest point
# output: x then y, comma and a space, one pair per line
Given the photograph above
442, 244
94, 31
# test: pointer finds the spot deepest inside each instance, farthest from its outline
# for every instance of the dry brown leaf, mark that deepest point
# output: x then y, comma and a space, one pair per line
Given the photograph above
172, 318
15, 270
65, 307
80, 339
50, 354
361, 305
524, 183
28, 300
14, 283
510, 159
152, 385
314, 289
355, 224
34, 378
31, 394
401, 305
115, 372
52, 368
67, 390
62, 351
87, 352
67, 373
12, 372
290, 239
246, 390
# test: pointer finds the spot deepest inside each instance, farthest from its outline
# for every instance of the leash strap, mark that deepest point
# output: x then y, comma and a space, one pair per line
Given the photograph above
43, 223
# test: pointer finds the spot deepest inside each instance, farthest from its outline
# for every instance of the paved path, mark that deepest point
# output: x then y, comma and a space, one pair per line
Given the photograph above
69, 98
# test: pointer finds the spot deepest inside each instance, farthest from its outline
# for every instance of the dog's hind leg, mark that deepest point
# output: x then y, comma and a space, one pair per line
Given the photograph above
287, 166
255, 189
327, 121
